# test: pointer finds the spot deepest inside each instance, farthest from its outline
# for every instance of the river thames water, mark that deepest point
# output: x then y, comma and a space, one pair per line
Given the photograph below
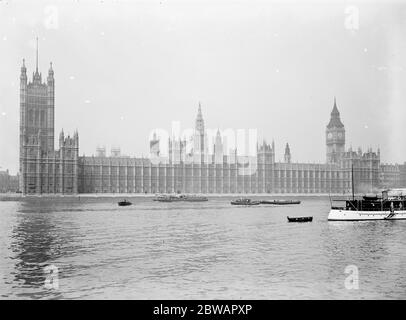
208, 250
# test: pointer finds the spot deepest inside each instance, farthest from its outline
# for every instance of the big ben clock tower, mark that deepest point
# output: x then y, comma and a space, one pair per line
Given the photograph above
335, 136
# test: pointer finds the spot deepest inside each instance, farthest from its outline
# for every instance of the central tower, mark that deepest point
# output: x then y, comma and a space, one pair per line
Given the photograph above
199, 138
335, 136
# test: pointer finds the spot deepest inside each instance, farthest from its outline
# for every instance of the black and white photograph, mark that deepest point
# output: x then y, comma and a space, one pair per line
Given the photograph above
201, 150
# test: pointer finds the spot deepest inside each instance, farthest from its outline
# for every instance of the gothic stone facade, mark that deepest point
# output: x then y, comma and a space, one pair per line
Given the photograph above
44, 170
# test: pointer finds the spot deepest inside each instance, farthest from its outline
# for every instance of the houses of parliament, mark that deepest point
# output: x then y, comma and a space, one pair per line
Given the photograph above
45, 170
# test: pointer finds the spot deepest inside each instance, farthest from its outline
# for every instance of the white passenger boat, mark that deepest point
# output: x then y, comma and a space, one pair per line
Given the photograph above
390, 205
370, 208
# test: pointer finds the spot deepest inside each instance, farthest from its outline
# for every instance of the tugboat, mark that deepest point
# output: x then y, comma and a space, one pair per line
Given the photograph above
280, 202
124, 203
245, 202
391, 205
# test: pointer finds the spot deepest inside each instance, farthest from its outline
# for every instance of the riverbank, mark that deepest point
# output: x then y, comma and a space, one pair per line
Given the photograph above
19, 196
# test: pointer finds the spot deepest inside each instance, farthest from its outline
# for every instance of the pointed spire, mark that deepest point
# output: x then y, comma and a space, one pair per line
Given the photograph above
199, 112
218, 139
335, 109
287, 149
23, 71
37, 79
199, 120
50, 72
335, 117
287, 156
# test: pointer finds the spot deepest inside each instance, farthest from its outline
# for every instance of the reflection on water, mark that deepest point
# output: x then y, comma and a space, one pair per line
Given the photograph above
194, 250
35, 243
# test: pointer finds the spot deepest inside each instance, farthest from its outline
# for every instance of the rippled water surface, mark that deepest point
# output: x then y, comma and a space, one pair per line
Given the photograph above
209, 250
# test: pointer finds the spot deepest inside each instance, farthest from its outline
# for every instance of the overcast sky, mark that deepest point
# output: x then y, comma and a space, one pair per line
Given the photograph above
125, 68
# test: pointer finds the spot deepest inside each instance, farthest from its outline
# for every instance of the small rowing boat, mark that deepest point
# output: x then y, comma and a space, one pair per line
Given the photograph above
124, 203
300, 219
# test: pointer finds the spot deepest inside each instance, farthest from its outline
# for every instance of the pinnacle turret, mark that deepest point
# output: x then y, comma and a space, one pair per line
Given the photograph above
23, 75
23, 68
50, 78
287, 155
50, 71
199, 120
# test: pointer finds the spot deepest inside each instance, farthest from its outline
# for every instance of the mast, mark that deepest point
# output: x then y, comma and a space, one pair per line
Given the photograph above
352, 179
37, 57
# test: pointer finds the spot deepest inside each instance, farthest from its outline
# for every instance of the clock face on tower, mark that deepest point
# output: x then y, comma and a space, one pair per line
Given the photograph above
329, 135
340, 135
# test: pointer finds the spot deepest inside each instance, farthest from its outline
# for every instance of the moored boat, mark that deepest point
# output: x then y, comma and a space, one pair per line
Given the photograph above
245, 202
181, 197
124, 203
390, 205
195, 198
166, 198
280, 202
365, 208
300, 219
